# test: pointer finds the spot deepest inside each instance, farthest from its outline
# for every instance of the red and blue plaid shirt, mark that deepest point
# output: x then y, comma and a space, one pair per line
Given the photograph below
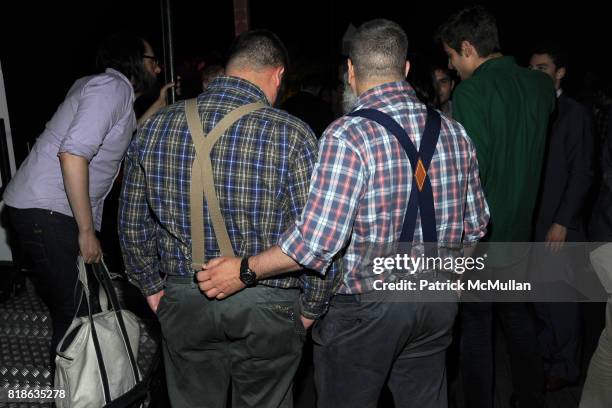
361, 184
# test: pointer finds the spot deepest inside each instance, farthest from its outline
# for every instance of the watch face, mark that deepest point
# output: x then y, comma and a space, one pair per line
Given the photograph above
248, 277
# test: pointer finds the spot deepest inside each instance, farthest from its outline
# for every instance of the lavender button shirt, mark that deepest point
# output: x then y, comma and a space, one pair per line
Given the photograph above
95, 121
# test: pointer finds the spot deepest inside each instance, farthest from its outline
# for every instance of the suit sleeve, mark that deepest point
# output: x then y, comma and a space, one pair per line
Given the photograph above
578, 147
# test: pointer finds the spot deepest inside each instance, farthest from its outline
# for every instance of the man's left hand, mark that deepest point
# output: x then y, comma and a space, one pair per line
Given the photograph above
220, 278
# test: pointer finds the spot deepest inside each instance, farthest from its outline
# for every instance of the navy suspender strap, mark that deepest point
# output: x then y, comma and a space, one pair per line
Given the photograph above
421, 197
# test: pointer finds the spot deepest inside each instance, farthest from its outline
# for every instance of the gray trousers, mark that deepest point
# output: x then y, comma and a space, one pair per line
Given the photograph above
359, 346
251, 342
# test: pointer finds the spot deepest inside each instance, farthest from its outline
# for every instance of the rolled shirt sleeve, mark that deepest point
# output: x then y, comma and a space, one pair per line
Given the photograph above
326, 222
100, 105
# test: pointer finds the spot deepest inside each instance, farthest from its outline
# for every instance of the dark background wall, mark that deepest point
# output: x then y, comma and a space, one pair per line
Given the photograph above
45, 47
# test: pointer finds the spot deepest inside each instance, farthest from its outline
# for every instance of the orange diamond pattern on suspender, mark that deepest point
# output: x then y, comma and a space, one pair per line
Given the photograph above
420, 174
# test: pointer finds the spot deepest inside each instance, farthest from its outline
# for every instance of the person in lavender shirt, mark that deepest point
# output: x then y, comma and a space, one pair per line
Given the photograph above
55, 199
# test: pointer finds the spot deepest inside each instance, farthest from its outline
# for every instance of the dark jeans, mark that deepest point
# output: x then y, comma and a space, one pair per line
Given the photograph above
477, 355
252, 340
361, 345
50, 240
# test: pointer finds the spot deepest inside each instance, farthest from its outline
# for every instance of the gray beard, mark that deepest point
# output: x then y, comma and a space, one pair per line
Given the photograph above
349, 100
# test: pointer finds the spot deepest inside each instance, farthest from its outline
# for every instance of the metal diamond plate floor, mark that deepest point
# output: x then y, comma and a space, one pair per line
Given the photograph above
25, 334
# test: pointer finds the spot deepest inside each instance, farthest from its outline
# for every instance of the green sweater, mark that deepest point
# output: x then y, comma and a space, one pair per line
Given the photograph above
505, 110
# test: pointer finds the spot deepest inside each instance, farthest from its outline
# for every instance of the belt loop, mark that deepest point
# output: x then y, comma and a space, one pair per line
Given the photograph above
195, 269
165, 280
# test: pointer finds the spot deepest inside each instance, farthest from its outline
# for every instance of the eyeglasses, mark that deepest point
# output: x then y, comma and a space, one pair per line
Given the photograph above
151, 57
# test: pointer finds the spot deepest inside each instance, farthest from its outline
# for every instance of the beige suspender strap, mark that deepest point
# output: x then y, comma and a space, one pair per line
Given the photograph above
202, 179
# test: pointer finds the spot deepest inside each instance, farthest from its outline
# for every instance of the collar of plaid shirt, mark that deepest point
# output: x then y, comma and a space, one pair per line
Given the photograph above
249, 92
373, 96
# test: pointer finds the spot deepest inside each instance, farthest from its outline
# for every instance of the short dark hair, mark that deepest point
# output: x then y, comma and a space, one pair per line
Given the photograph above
124, 52
211, 71
379, 49
475, 25
554, 51
258, 49
444, 68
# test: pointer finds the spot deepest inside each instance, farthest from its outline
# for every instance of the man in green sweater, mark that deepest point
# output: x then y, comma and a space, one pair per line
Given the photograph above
505, 109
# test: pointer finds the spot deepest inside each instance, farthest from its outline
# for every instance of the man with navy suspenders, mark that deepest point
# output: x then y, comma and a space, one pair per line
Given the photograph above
390, 171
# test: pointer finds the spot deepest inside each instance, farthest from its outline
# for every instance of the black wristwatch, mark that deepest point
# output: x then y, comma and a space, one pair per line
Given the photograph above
247, 276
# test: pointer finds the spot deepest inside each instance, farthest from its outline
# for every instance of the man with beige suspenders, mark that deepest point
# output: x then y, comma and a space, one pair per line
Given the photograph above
251, 171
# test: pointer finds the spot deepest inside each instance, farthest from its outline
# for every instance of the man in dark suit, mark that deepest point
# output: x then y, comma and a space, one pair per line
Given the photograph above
566, 181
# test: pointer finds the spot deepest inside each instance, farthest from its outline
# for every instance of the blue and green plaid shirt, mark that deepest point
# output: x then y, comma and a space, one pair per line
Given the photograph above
262, 167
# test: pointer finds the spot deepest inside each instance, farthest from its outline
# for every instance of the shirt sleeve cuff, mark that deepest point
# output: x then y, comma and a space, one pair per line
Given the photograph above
563, 217
474, 237
312, 310
293, 244
153, 284
469, 241
69, 146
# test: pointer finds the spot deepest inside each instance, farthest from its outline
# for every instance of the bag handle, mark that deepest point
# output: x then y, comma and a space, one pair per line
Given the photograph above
94, 335
202, 179
100, 271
